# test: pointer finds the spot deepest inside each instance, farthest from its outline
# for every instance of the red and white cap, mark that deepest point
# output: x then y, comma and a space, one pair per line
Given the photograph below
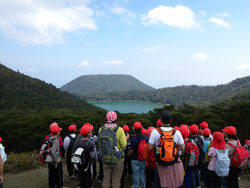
111, 116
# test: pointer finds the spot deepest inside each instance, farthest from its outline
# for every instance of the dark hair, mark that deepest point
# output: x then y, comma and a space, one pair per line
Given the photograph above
54, 134
205, 136
166, 117
71, 132
137, 131
232, 136
84, 136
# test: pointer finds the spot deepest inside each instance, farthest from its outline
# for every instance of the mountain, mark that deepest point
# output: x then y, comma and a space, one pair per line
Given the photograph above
19, 91
194, 95
101, 83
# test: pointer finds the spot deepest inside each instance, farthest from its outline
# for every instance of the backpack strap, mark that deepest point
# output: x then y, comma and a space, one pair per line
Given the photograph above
231, 145
70, 137
161, 131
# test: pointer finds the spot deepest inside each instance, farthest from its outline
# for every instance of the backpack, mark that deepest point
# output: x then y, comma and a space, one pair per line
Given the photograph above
192, 152
202, 157
71, 145
79, 160
107, 144
167, 148
44, 155
140, 149
222, 164
240, 155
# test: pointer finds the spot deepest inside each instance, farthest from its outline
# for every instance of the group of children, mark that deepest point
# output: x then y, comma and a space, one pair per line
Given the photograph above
202, 157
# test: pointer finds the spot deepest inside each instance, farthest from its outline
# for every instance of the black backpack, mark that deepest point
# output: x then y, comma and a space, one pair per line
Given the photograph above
71, 145
202, 157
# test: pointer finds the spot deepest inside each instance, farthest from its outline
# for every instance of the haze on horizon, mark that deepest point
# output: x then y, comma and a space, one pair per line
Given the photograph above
161, 43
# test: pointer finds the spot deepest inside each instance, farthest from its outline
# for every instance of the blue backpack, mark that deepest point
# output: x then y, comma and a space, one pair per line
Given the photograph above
222, 164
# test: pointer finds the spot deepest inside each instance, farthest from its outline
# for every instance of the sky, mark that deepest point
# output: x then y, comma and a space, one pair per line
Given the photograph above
163, 43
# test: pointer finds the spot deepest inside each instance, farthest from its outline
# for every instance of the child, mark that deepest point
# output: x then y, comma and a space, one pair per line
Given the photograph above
247, 146
212, 178
149, 157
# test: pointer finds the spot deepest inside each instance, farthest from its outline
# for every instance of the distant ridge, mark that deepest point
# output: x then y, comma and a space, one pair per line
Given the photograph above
104, 83
20, 92
193, 94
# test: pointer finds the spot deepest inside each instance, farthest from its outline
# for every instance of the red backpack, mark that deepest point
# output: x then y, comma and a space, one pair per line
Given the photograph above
240, 155
192, 153
140, 150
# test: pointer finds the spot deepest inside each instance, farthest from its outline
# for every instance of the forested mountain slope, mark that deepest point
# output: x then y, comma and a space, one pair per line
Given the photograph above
194, 95
101, 83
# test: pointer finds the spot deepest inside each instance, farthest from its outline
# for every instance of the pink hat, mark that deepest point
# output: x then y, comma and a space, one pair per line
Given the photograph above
54, 128
85, 129
206, 131
72, 127
144, 131
137, 125
150, 129
159, 123
194, 128
204, 125
231, 130
111, 116
218, 141
177, 128
125, 128
185, 131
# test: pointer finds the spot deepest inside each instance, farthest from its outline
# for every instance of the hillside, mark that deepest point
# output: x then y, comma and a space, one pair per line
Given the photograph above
29, 106
92, 84
19, 91
194, 95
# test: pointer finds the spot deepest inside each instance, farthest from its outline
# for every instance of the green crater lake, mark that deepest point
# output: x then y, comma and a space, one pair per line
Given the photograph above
127, 106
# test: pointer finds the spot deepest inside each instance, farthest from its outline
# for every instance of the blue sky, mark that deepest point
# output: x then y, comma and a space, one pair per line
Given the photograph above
163, 43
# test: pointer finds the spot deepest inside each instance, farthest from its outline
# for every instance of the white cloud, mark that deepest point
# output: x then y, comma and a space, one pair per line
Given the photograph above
202, 13
220, 22
244, 67
152, 49
84, 63
180, 16
121, 11
200, 56
31, 70
44, 21
222, 15
112, 62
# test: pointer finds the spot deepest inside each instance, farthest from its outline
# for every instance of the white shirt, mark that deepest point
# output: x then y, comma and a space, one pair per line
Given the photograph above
155, 136
67, 141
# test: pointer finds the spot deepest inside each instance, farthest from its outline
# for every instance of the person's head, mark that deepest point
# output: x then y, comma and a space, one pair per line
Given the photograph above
137, 128
230, 133
159, 123
247, 142
72, 129
166, 118
55, 129
85, 131
204, 125
125, 128
150, 129
218, 141
206, 132
111, 117
184, 131
91, 127
194, 129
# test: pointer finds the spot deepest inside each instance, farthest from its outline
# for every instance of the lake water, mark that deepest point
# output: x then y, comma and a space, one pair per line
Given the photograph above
127, 106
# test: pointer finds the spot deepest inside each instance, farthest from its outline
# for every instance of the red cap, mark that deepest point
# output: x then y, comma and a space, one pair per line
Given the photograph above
144, 131
206, 131
1, 139
246, 141
231, 130
185, 131
137, 125
194, 128
159, 123
177, 128
150, 129
72, 127
85, 129
54, 128
218, 141
91, 126
183, 125
204, 125
125, 128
